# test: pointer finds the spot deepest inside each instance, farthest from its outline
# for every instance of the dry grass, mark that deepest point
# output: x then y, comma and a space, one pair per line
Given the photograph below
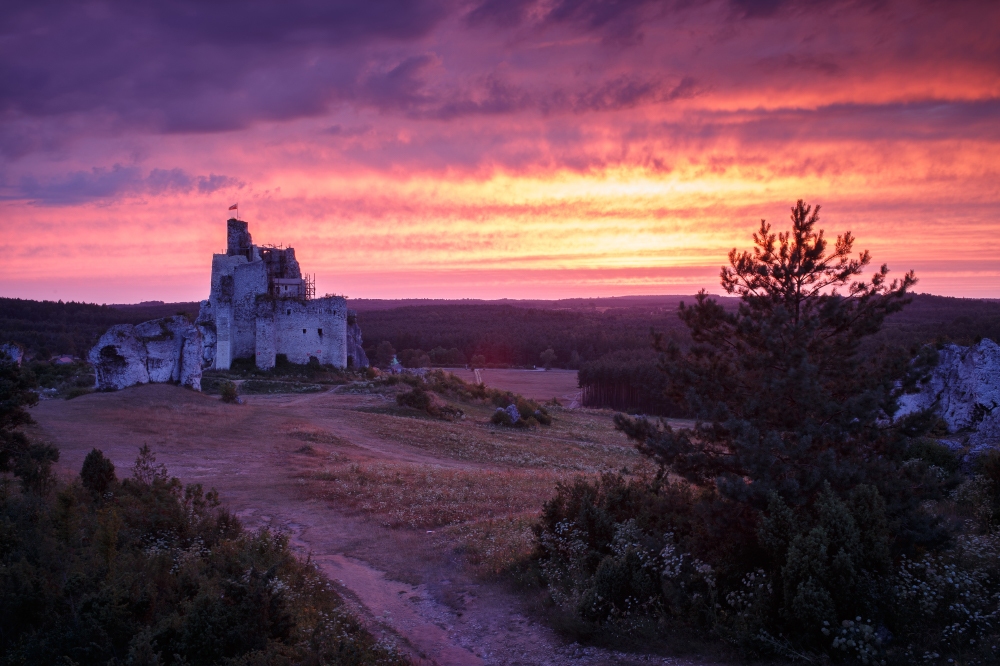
483, 503
493, 546
479, 487
580, 443
420, 496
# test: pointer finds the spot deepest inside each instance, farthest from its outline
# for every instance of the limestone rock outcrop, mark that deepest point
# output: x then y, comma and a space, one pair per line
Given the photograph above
355, 352
161, 350
964, 387
206, 325
964, 390
13, 352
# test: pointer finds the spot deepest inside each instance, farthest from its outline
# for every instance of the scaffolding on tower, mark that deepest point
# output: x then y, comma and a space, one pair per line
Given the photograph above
310, 283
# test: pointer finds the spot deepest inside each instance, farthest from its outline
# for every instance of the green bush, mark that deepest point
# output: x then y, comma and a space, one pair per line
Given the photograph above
417, 398
98, 473
149, 571
421, 399
228, 392
934, 453
501, 418
616, 551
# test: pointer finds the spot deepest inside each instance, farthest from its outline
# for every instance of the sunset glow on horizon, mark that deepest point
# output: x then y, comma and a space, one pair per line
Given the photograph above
492, 149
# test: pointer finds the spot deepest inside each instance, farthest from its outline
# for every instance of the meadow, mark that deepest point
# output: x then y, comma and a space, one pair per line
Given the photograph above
391, 503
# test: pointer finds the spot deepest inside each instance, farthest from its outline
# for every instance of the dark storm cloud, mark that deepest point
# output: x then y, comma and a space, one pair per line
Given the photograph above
145, 64
617, 21
103, 183
620, 21
109, 68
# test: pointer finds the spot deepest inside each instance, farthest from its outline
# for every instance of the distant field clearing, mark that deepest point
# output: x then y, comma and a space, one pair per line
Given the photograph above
535, 384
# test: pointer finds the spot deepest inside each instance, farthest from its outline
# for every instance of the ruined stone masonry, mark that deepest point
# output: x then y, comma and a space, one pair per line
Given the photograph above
260, 306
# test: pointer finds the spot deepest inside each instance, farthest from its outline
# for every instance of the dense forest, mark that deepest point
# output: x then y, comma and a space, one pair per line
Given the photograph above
584, 330
515, 335
627, 379
45, 328
607, 339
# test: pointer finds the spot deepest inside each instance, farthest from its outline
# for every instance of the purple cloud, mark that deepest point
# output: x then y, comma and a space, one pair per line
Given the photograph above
103, 184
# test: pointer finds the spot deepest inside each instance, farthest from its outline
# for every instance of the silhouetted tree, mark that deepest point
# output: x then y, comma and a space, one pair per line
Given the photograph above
98, 473
384, 353
796, 461
548, 358
30, 461
784, 400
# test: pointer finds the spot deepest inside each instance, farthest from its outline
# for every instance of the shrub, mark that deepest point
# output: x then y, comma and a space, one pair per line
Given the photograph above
98, 473
501, 418
228, 392
416, 398
934, 453
159, 573
421, 399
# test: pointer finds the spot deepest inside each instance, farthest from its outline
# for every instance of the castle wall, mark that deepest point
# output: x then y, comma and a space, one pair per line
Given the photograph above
221, 306
256, 309
266, 340
249, 282
300, 329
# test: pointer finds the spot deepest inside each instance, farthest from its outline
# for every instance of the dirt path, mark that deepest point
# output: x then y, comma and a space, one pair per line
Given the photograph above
412, 592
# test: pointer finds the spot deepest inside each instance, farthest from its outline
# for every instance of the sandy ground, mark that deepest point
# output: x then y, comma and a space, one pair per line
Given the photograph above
405, 514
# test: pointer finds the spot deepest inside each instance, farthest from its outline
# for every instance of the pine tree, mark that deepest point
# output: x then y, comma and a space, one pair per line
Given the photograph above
784, 397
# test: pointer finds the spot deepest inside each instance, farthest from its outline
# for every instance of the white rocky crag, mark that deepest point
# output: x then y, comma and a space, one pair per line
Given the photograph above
162, 350
13, 352
964, 390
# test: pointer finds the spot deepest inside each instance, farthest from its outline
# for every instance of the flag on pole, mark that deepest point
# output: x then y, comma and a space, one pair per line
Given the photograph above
234, 207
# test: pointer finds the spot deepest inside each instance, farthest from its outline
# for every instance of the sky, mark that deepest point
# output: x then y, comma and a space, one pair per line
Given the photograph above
491, 148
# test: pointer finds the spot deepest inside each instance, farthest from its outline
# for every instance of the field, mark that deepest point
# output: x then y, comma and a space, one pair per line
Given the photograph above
538, 385
413, 517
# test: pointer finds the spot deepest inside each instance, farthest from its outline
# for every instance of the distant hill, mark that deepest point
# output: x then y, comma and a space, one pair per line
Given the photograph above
369, 304
932, 318
510, 332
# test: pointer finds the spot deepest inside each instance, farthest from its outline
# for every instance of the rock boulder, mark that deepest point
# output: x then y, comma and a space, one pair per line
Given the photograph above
206, 325
162, 350
12, 351
964, 387
119, 359
964, 390
355, 352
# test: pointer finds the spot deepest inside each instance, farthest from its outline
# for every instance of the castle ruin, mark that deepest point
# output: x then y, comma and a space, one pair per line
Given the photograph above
260, 307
